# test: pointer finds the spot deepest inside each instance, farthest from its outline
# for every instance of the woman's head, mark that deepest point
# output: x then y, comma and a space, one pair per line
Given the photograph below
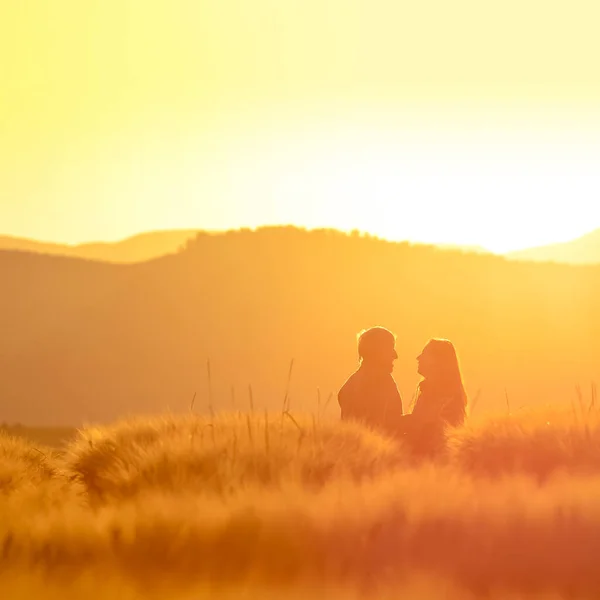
438, 360
377, 348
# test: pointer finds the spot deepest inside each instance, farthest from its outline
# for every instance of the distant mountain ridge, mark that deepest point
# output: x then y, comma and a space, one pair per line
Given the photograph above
144, 246
137, 248
141, 247
584, 250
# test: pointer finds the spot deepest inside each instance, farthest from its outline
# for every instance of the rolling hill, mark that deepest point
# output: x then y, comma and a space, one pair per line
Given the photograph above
137, 248
88, 341
583, 250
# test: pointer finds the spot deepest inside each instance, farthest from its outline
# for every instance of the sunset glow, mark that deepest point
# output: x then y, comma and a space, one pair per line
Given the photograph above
299, 299
473, 134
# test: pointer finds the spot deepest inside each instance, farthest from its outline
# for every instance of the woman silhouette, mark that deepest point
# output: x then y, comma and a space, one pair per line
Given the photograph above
441, 393
441, 400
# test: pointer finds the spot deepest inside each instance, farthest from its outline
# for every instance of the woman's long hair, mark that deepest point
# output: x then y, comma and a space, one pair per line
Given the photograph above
446, 381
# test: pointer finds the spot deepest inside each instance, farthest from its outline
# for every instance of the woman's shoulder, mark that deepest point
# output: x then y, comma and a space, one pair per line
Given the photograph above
424, 388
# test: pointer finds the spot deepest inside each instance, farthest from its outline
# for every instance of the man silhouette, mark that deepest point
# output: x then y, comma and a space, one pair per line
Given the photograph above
370, 394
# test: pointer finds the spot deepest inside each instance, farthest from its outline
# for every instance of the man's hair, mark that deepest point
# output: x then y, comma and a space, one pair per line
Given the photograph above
371, 339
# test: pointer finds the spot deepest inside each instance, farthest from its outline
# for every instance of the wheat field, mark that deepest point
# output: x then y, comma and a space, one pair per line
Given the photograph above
249, 505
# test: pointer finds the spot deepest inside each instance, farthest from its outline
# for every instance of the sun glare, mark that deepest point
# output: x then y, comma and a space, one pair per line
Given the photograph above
463, 189
498, 190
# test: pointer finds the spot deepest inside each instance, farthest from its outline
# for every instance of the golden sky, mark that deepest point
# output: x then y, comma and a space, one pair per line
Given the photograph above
466, 121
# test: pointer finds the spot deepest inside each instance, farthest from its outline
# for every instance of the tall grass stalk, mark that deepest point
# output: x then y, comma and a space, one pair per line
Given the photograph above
211, 409
251, 398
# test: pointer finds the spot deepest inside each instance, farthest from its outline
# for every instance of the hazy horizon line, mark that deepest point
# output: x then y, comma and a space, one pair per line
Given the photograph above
443, 243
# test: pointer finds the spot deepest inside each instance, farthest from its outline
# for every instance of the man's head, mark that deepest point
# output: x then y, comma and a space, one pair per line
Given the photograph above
377, 348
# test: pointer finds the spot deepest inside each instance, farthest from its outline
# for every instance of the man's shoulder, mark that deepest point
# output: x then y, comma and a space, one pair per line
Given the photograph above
353, 380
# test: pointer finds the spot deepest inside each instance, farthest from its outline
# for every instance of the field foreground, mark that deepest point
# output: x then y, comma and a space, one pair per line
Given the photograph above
271, 506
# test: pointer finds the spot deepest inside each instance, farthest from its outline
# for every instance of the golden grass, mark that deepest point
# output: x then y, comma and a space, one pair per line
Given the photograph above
224, 454
539, 443
23, 464
242, 506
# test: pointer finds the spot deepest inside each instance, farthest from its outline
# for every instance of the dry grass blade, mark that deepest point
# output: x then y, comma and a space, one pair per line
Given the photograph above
474, 401
286, 398
291, 418
210, 395
327, 402
251, 397
249, 428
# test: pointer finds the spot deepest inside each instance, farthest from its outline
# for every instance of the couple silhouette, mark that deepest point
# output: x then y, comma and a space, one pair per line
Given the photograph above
370, 394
